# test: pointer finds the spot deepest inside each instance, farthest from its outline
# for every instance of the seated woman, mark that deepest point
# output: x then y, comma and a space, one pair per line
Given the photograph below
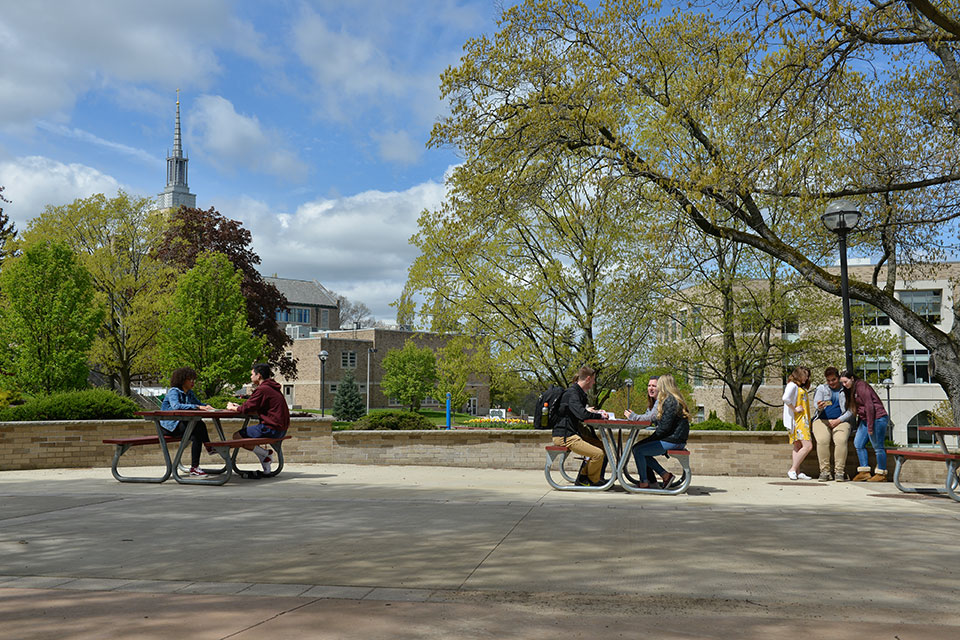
180, 397
673, 427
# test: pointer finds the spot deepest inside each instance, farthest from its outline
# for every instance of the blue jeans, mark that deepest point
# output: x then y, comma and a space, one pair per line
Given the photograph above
876, 441
643, 455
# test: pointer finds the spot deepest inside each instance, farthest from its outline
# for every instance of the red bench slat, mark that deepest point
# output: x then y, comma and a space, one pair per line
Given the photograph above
923, 455
940, 429
677, 452
556, 448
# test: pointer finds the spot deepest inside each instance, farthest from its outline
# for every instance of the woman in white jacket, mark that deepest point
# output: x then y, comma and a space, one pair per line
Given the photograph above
796, 419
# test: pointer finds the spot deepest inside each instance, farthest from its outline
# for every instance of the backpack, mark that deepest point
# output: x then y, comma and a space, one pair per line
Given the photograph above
547, 413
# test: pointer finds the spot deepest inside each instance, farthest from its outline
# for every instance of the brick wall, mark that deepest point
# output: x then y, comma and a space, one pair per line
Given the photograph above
68, 444
43, 445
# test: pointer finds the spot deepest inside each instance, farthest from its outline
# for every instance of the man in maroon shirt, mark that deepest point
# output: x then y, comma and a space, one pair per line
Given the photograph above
266, 401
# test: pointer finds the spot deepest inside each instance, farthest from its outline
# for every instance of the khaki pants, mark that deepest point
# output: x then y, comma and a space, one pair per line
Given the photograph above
591, 448
840, 435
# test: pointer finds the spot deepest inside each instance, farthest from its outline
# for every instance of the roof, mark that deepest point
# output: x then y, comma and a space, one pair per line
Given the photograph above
305, 292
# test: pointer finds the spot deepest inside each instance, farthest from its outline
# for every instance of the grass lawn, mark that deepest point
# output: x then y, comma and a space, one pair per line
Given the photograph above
438, 418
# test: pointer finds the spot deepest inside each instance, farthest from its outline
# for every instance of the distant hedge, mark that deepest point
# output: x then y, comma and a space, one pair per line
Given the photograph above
91, 404
716, 424
393, 421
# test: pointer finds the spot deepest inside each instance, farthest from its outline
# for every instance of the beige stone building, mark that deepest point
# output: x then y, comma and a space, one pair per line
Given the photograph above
902, 378
362, 351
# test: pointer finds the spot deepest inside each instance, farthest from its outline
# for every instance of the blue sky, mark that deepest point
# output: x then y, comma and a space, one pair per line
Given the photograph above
305, 120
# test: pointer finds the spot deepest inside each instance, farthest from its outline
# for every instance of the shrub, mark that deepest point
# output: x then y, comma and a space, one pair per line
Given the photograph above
220, 401
713, 423
393, 421
763, 425
779, 426
92, 404
8, 397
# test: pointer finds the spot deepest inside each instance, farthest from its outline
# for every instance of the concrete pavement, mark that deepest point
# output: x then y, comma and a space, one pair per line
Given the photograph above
338, 551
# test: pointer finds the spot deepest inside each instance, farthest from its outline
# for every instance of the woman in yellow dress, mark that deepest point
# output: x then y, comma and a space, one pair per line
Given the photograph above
796, 419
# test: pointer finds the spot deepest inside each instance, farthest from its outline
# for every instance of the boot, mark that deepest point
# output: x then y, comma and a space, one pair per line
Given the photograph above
863, 474
880, 476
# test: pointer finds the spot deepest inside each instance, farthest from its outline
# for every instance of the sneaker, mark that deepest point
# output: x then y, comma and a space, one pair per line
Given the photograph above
792, 474
197, 472
803, 476
824, 476
666, 480
840, 476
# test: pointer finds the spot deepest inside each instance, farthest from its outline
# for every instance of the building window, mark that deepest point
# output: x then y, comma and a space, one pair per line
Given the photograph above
333, 387
283, 315
300, 315
874, 368
925, 304
916, 366
701, 412
698, 375
325, 318
791, 328
915, 437
867, 315
348, 359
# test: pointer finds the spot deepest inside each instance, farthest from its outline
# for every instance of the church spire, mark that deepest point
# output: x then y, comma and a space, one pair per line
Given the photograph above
177, 192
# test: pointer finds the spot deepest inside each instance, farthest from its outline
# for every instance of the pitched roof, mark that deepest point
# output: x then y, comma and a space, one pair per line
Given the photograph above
307, 292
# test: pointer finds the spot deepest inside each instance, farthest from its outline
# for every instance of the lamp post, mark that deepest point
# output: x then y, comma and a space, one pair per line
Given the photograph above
887, 383
369, 351
323, 387
841, 217
629, 383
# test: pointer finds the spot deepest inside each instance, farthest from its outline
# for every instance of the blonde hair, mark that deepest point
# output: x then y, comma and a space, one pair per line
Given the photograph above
667, 386
800, 376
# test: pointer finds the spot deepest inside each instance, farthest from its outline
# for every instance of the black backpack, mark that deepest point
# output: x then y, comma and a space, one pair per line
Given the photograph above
547, 413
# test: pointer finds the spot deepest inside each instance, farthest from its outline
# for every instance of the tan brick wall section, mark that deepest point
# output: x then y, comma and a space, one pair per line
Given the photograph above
44, 445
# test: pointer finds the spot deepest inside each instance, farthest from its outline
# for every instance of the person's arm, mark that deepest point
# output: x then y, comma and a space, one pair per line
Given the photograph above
649, 416
867, 395
666, 423
847, 415
576, 407
252, 404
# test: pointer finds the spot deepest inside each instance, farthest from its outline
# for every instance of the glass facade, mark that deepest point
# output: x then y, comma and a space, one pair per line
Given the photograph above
916, 366
925, 303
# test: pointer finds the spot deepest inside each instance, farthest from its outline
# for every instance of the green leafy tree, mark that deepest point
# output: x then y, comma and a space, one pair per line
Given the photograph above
116, 238
348, 405
48, 319
206, 327
721, 118
457, 361
557, 268
8, 231
409, 374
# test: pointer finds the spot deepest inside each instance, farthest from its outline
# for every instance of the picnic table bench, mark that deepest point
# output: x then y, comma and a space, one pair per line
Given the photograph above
227, 449
617, 452
951, 459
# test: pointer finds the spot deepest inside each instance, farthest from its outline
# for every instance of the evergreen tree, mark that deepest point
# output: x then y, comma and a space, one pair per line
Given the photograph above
348, 405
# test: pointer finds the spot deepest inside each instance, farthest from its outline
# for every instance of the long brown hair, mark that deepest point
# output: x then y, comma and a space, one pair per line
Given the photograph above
849, 394
667, 386
800, 376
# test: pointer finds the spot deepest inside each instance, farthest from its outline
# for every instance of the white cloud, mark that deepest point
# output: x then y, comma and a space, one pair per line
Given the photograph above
86, 136
34, 182
53, 54
230, 140
398, 147
357, 245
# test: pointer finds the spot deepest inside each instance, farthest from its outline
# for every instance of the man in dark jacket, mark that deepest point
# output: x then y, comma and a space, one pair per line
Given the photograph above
266, 401
570, 431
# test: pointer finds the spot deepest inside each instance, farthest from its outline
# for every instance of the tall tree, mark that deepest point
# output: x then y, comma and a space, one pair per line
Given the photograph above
116, 238
206, 327
721, 119
353, 313
192, 232
409, 374
48, 319
8, 231
557, 269
457, 360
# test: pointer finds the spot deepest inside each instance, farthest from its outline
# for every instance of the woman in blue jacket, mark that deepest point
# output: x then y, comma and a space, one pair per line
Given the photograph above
181, 397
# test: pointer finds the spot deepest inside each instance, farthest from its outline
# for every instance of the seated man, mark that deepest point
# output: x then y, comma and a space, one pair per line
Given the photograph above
570, 431
832, 424
266, 401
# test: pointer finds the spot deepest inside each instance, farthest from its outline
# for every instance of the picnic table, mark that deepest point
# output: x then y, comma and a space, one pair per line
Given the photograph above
617, 451
951, 459
222, 447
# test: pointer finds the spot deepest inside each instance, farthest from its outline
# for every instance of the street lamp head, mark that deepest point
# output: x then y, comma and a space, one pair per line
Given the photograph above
887, 383
628, 382
323, 356
841, 216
